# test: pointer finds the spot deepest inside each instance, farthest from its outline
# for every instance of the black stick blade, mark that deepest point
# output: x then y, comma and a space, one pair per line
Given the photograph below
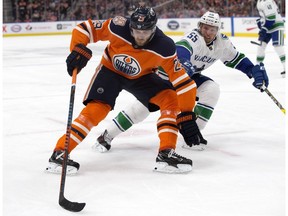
71, 206
253, 42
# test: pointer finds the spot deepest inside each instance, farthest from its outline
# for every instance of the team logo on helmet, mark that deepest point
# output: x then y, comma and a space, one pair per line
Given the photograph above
126, 64
143, 19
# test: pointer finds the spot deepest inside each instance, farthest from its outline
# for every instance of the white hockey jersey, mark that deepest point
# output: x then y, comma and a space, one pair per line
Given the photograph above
203, 56
269, 12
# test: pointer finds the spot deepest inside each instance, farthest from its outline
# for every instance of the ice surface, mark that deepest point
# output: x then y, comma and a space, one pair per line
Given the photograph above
241, 173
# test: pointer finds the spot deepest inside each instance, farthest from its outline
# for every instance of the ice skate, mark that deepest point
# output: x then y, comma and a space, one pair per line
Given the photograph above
168, 161
103, 143
283, 74
55, 164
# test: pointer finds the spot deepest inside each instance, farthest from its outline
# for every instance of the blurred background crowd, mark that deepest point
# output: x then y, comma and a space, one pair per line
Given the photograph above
68, 10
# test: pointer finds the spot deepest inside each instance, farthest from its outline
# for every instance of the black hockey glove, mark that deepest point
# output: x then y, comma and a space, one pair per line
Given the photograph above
186, 122
78, 58
259, 74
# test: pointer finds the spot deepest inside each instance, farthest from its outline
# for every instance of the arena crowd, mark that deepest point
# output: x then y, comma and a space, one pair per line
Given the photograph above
67, 10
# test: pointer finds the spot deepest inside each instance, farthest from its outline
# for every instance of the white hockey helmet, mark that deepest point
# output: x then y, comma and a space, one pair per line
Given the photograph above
210, 18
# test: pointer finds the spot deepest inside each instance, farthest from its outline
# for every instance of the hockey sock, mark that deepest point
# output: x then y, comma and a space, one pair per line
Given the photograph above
121, 123
208, 93
134, 114
166, 124
203, 113
89, 117
281, 53
261, 52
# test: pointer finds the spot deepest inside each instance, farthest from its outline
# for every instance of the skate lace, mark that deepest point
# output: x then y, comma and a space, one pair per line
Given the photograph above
60, 156
174, 154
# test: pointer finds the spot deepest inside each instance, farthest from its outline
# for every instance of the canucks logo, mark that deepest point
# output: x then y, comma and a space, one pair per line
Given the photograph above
126, 64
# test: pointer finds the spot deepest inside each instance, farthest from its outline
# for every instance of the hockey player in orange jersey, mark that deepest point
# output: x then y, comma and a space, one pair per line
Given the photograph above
137, 46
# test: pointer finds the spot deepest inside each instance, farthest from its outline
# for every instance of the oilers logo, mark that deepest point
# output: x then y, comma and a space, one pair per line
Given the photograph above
126, 64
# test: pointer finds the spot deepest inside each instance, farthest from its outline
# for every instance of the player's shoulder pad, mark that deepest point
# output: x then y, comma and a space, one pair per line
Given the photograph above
120, 26
162, 44
119, 21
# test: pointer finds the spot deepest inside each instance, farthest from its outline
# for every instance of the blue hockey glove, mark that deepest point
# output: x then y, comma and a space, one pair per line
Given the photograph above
188, 66
259, 74
258, 22
262, 34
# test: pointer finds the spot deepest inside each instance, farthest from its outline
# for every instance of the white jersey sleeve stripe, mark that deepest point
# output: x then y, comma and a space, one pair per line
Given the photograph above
179, 79
82, 31
186, 89
90, 31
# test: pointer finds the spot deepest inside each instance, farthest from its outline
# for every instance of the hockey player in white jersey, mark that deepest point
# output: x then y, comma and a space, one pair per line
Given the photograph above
197, 51
271, 26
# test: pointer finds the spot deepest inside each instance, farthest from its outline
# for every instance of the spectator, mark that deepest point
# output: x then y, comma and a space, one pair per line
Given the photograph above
22, 9
53, 10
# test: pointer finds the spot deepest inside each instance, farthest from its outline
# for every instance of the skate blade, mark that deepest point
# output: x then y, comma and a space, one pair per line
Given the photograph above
165, 168
57, 169
99, 148
200, 147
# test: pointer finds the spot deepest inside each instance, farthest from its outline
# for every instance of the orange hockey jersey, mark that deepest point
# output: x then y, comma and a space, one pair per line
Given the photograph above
124, 57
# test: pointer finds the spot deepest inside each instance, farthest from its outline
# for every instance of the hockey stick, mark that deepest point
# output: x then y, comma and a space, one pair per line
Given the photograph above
63, 202
256, 43
275, 101
251, 28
